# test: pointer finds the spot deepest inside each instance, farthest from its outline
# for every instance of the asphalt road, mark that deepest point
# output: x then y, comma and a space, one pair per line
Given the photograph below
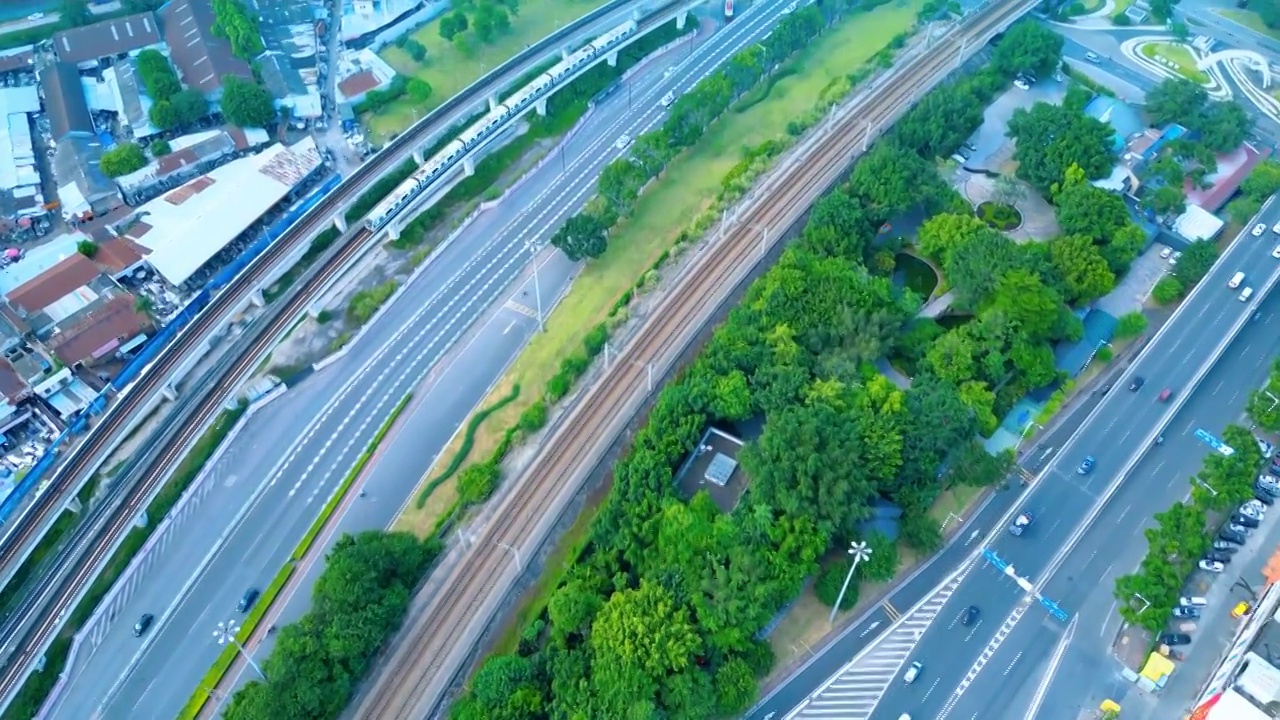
962, 677
466, 293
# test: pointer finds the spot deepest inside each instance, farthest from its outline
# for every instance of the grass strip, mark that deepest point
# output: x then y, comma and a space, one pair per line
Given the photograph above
32, 695
220, 666
468, 441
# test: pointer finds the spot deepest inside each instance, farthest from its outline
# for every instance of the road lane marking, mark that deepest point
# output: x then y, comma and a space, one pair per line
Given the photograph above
1056, 660
996, 641
891, 612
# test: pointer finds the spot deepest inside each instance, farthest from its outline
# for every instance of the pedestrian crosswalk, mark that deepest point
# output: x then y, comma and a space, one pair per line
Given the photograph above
854, 692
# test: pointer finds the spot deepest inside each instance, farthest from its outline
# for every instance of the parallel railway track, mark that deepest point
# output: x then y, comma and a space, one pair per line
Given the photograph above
437, 640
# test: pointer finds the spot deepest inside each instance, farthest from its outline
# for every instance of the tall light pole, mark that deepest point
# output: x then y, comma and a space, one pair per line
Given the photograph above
226, 633
860, 552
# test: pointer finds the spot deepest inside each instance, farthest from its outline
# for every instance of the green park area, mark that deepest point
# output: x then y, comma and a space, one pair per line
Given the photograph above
451, 66
683, 192
1249, 19
1182, 59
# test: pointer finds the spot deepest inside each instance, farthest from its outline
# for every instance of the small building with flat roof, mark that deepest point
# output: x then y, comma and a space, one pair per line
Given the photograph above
1233, 168
288, 64
186, 227
1196, 223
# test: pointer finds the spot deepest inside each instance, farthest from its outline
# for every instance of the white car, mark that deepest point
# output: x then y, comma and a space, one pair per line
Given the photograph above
668, 99
1165, 253
1276, 253
1174, 260
912, 673
1256, 505
1259, 229
1092, 57
1022, 84
1239, 529
36, 16
1212, 566
1253, 512
623, 142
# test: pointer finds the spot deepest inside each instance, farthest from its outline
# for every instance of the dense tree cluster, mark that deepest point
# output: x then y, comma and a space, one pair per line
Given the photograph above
233, 22
1220, 126
246, 103
1268, 10
1262, 183
1263, 406
171, 107
1052, 138
1089, 211
621, 181
1026, 47
1182, 533
478, 20
122, 160
358, 601
660, 615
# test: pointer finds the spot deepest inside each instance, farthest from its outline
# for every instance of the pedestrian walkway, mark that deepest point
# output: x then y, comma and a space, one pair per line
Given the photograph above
855, 691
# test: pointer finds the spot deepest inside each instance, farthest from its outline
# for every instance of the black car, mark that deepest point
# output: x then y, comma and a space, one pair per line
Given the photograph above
1232, 537
1136, 384
247, 600
1217, 556
1172, 639
1264, 497
1224, 546
1244, 521
143, 623
970, 615
1186, 612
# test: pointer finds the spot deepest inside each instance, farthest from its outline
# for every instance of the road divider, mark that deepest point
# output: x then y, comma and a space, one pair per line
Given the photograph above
220, 666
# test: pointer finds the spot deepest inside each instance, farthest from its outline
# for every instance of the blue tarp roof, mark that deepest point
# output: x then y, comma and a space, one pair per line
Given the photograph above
1122, 117
1099, 327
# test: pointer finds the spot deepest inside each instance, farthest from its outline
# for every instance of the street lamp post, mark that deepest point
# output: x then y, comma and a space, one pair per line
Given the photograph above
860, 552
515, 553
226, 633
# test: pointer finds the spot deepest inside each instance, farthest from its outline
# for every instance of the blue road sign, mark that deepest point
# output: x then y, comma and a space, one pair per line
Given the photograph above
995, 559
1213, 442
1053, 608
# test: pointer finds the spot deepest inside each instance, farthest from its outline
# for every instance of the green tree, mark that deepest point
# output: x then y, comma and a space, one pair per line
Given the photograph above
1242, 209
122, 160
159, 148
975, 267
1124, 247
735, 686
1167, 290
891, 180
1051, 138
1026, 301
1028, 46
645, 630
1196, 261
829, 581
1175, 100
75, 13
1167, 200
419, 90
453, 25
1084, 271
233, 22
882, 565
1223, 126
582, 236
1263, 407
1264, 179
246, 103
1084, 209
939, 235
1131, 324
158, 76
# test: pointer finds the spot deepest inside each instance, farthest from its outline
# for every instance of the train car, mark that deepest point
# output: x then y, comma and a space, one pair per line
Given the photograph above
528, 94
614, 36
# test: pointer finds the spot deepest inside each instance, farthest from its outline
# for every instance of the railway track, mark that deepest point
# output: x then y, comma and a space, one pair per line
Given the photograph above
436, 642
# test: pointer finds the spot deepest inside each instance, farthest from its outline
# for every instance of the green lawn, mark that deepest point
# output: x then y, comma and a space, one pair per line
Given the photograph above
667, 207
1249, 19
449, 69
1178, 55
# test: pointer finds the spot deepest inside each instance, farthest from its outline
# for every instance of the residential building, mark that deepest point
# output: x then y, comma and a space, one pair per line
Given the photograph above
1233, 168
201, 57
83, 190
365, 17
359, 72
289, 67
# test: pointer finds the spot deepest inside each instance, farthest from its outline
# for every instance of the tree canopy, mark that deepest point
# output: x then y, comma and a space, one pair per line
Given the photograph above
1052, 138
245, 103
122, 160
1028, 46
1221, 126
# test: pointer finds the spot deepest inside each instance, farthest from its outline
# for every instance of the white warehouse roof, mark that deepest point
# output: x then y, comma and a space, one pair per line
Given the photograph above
187, 226
1198, 224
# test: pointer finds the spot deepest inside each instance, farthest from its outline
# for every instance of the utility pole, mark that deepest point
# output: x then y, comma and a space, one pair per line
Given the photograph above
860, 551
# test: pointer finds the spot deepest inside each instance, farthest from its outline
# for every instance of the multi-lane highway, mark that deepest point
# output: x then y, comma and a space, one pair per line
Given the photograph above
965, 673
348, 400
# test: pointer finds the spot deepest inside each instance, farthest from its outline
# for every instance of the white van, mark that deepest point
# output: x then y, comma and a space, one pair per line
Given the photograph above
1245, 294
1193, 601
1236, 280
